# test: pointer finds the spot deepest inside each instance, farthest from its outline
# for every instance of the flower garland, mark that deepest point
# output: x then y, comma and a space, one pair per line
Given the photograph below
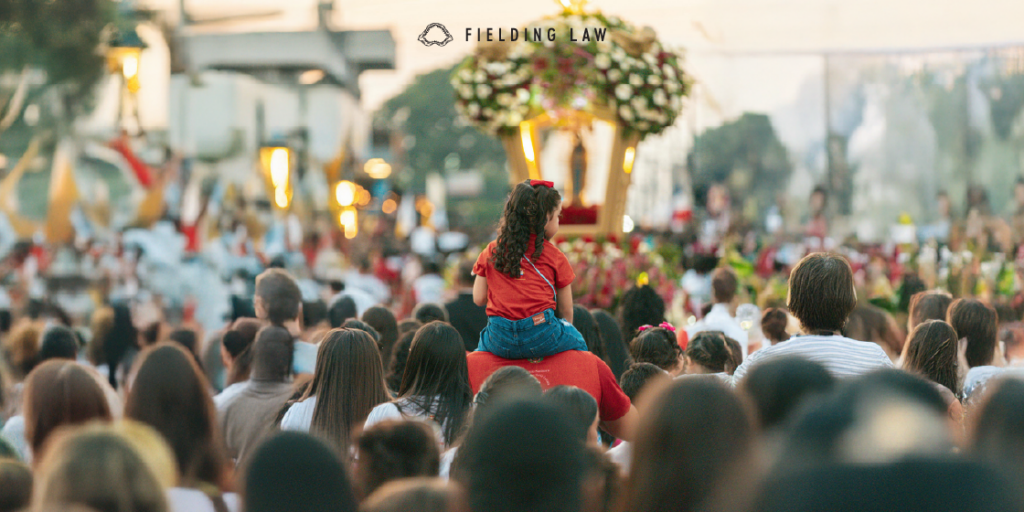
612, 65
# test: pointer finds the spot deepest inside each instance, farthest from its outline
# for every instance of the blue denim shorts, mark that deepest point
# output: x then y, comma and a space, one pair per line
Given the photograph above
530, 338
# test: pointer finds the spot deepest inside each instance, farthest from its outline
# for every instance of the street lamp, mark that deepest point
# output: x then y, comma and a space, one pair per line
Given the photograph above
275, 159
123, 55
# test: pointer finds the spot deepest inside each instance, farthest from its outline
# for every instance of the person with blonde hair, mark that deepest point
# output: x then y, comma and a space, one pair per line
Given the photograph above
96, 467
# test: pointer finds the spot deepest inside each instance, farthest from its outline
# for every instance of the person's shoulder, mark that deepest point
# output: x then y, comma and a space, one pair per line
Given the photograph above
481, 357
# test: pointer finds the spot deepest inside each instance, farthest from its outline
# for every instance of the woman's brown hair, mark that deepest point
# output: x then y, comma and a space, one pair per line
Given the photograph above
171, 395
929, 305
58, 393
238, 341
97, 468
932, 352
683, 456
348, 384
977, 322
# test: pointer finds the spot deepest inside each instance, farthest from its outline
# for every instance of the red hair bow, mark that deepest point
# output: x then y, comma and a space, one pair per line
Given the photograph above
542, 183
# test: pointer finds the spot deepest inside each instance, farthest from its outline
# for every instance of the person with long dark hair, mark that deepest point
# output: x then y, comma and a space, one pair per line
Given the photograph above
121, 343
641, 305
170, 393
435, 384
347, 385
585, 323
383, 321
615, 349
932, 352
525, 281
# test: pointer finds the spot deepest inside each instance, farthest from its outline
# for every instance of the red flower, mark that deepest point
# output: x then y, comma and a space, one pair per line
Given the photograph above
540, 64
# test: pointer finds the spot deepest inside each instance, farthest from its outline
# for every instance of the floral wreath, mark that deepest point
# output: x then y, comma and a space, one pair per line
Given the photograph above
505, 83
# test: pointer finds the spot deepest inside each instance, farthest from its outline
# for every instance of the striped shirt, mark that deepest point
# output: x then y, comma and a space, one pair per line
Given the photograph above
842, 357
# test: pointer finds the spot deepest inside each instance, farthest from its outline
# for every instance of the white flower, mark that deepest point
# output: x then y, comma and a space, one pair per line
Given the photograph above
483, 90
654, 80
650, 59
614, 75
504, 99
638, 102
514, 118
479, 76
466, 91
672, 87
602, 61
669, 71
465, 75
488, 113
619, 54
625, 113
523, 95
473, 109
635, 80
623, 92
674, 103
660, 99
643, 126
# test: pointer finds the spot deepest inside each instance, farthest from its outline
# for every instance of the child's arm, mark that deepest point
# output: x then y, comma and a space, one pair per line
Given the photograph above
564, 303
480, 291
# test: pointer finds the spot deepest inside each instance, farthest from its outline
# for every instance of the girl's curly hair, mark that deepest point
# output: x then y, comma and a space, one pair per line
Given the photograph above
526, 213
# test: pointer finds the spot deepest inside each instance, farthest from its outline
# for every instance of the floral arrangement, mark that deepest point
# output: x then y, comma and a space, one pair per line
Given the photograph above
611, 67
605, 269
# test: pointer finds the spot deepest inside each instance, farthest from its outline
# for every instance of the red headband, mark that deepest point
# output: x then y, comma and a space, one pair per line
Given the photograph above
542, 183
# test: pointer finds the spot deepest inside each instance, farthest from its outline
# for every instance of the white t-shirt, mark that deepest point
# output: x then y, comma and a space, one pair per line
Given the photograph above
429, 288
621, 455
299, 416
181, 499
304, 357
719, 319
409, 410
841, 356
14, 433
445, 470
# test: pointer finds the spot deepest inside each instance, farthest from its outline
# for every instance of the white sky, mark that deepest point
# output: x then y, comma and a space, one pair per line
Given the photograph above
706, 28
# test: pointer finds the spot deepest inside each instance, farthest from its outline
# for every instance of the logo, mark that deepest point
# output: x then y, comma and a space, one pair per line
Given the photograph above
435, 40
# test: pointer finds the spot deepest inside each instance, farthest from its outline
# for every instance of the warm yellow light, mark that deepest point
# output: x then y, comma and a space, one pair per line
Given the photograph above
130, 66
389, 206
279, 167
349, 222
573, 6
377, 168
345, 193
524, 130
281, 197
364, 197
627, 162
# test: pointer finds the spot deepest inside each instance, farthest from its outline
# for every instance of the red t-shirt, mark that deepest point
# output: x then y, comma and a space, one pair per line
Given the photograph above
571, 368
516, 299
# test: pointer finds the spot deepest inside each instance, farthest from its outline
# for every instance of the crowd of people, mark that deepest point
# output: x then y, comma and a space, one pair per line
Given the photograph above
497, 393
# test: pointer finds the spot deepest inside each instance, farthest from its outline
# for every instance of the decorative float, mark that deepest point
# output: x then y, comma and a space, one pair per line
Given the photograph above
570, 96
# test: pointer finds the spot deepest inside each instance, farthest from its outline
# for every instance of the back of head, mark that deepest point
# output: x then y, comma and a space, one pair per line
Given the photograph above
641, 305
341, 310
437, 373
348, 384
313, 313
408, 325
638, 376
974, 320
710, 350
58, 343
383, 321
59, 393
399, 359
932, 352
584, 322
293, 471
272, 354
429, 312
21, 348
682, 454
526, 214
278, 296
615, 349
930, 305
578, 406
97, 468
779, 387
465, 273
997, 429
15, 485
724, 284
773, 324
414, 495
508, 383
392, 450
879, 417
243, 333
359, 325
170, 394
658, 346
914, 485
821, 292
186, 339
543, 472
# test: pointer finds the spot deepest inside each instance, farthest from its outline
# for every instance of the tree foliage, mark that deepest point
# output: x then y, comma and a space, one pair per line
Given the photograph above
745, 155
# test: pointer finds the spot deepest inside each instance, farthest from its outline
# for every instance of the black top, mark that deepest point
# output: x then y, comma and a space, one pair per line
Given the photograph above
467, 318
